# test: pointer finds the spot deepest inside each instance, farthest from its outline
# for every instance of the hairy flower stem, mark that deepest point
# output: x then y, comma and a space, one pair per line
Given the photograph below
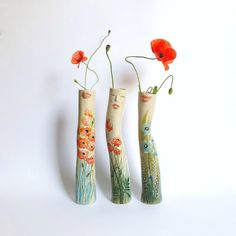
112, 77
86, 71
91, 71
79, 84
136, 72
172, 80
94, 74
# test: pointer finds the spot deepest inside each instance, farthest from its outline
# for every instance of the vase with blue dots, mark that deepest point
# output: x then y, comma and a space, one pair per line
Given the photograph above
151, 181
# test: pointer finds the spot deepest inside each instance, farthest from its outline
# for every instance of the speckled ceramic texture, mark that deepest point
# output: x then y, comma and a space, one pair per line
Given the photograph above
151, 181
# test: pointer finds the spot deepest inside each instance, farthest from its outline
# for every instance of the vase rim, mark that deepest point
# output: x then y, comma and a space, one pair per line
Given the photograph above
118, 91
146, 93
122, 89
81, 90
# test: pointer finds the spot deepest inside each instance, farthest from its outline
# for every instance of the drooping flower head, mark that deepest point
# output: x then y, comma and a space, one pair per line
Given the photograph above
78, 57
163, 51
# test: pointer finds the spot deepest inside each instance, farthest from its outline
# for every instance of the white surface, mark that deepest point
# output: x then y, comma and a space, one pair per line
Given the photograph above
194, 129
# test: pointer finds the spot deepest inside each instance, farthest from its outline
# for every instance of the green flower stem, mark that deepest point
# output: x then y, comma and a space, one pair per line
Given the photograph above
117, 178
136, 72
172, 80
112, 77
79, 84
86, 71
94, 73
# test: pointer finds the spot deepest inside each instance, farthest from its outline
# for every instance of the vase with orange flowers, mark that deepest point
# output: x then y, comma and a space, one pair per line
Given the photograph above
151, 179
120, 178
85, 192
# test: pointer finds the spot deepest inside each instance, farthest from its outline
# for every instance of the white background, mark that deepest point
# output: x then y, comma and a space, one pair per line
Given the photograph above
194, 128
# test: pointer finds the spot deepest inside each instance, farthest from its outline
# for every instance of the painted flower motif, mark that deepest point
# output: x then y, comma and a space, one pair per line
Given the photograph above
146, 147
90, 146
86, 121
110, 147
109, 127
83, 154
90, 160
154, 149
88, 113
116, 142
78, 57
117, 151
163, 51
85, 131
91, 137
146, 129
82, 142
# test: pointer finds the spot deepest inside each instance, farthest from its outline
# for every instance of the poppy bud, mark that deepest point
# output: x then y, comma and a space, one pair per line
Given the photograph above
170, 91
108, 47
109, 31
155, 90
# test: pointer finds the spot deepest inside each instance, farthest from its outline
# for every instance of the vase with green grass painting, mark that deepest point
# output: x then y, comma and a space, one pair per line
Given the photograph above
151, 177
120, 177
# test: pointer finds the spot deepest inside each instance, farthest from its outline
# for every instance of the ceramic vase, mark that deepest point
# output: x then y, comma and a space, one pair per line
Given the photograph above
120, 178
85, 166
151, 184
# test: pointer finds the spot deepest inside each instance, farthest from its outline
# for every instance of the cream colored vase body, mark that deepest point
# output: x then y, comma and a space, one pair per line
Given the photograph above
151, 184
85, 166
120, 177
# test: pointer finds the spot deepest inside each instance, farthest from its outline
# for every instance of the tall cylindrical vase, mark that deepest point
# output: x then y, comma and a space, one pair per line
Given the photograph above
151, 184
85, 166
120, 177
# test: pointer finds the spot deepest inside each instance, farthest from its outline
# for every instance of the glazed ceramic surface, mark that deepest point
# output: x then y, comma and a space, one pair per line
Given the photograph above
85, 167
151, 184
120, 177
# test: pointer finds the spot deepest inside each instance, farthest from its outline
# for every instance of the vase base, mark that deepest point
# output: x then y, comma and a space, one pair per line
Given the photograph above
120, 202
84, 203
151, 201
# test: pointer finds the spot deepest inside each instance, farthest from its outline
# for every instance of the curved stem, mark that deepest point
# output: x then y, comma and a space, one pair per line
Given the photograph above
136, 72
79, 84
112, 77
172, 80
86, 71
94, 73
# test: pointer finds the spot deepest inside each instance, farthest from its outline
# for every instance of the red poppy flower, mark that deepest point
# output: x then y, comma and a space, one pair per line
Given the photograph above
90, 146
90, 160
91, 137
82, 143
108, 125
116, 141
82, 154
117, 151
85, 131
163, 51
110, 147
78, 57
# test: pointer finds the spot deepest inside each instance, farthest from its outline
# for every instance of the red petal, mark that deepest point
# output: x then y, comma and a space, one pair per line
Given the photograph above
78, 57
165, 65
158, 45
170, 54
